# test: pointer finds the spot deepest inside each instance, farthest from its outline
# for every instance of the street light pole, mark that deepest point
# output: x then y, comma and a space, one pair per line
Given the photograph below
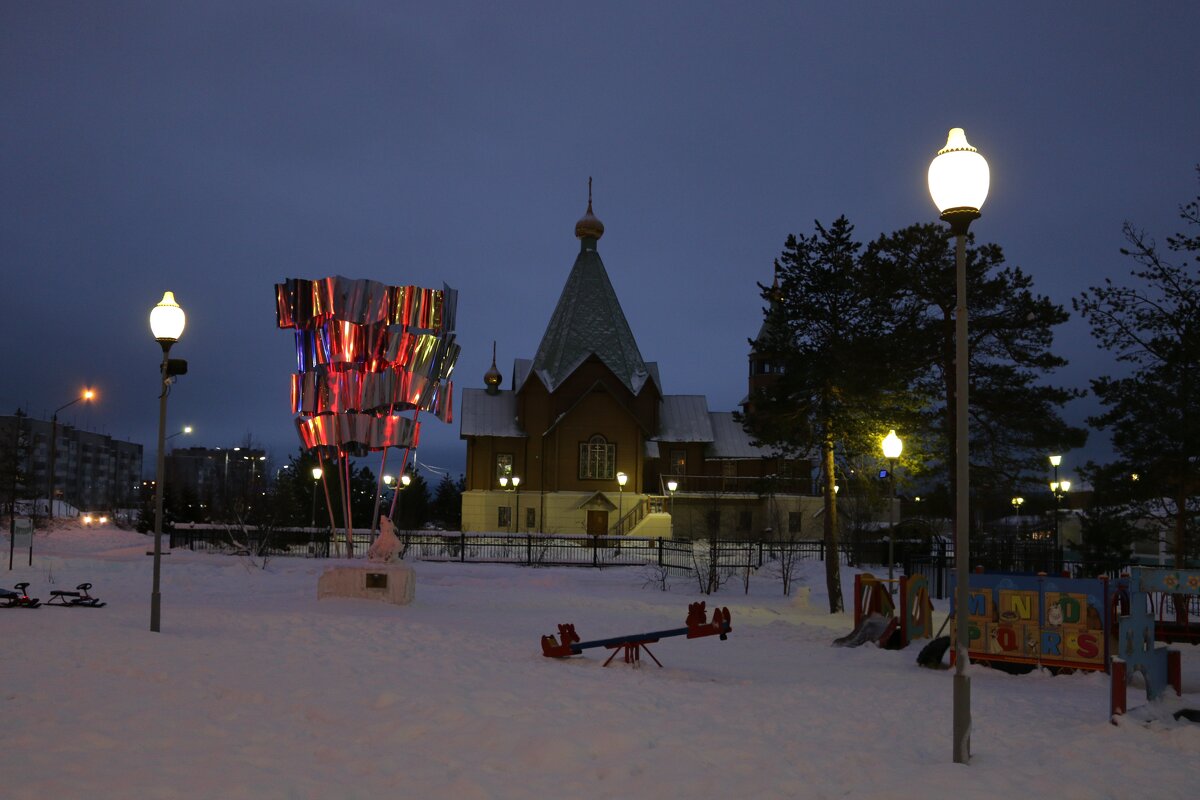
88, 394
317, 472
622, 479
892, 447
516, 482
166, 323
958, 182
1055, 460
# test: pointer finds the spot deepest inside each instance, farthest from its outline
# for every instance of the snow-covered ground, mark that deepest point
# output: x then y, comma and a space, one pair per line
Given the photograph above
256, 689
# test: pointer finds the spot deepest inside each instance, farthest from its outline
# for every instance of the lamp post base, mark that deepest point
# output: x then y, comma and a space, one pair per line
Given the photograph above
962, 719
155, 606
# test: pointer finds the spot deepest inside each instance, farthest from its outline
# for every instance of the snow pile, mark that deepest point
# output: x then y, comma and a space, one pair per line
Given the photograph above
256, 689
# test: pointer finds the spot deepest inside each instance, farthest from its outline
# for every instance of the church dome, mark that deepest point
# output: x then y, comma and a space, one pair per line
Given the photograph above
589, 225
492, 378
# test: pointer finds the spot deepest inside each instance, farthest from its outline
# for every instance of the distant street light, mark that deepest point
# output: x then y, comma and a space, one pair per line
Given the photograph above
166, 323
622, 479
186, 429
1059, 489
892, 447
317, 472
958, 182
85, 396
516, 482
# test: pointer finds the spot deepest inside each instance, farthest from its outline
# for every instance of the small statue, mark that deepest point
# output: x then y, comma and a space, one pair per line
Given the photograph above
386, 545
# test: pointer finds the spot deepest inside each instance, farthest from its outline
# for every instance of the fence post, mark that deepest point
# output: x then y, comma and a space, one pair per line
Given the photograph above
660, 551
529, 549
462, 546
595, 551
759, 554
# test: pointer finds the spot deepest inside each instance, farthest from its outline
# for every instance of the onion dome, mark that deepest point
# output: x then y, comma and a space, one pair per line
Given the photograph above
589, 225
492, 378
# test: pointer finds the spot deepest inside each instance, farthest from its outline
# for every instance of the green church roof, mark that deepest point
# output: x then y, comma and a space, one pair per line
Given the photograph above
587, 321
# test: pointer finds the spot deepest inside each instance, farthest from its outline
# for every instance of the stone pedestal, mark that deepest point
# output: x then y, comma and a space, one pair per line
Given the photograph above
391, 583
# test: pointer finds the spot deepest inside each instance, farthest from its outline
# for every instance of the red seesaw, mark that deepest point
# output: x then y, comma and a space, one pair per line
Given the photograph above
567, 644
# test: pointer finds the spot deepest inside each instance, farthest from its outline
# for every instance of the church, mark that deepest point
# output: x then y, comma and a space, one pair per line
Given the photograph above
586, 441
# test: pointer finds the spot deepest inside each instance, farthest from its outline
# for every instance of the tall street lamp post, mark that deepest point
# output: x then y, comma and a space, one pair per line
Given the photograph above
87, 395
1059, 489
166, 323
516, 482
1017, 502
958, 182
671, 487
1055, 460
622, 479
317, 472
892, 447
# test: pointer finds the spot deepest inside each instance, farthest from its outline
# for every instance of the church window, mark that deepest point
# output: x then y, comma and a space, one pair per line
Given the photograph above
596, 459
504, 466
678, 462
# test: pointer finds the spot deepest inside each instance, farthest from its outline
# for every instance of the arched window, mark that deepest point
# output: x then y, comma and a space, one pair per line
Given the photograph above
596, 459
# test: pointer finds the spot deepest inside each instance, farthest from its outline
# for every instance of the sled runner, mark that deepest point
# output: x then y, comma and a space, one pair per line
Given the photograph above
80, 597
13, 599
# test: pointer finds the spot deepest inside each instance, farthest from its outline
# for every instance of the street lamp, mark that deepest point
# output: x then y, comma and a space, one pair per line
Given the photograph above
958, 182
166, 323
1059, 489
186, 429
86, 395
317, 472
892, 447
516, 482
622, 479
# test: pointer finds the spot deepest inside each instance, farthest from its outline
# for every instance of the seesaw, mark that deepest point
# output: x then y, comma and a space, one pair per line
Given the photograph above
568, 644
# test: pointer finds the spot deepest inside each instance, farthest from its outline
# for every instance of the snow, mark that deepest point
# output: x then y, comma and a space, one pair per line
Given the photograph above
256, 689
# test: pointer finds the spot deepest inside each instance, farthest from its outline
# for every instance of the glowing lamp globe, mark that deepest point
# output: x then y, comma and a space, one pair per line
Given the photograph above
892, 446
167, 319
958, 177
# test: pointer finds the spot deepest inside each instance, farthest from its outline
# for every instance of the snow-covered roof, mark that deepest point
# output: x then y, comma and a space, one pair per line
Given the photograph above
684, 418
730, 440
486, 414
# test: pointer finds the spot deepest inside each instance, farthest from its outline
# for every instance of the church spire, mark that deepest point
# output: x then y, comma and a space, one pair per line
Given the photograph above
492, 378
589, 226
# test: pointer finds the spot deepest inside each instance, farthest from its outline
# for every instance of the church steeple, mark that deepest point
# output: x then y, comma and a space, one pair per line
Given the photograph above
492, 378
589, 228
588, 320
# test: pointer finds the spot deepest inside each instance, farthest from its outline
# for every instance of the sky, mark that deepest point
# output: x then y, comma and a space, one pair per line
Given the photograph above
214, 149
255, 688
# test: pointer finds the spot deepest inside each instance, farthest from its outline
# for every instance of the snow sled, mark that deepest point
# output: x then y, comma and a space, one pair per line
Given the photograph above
874, 628
79, 597
19, 598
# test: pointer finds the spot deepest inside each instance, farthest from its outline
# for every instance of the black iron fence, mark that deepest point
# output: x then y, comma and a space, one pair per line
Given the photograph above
674, 555
933, 558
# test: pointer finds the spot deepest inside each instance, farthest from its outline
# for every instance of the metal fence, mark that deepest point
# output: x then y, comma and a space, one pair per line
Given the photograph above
932, 558
674, 555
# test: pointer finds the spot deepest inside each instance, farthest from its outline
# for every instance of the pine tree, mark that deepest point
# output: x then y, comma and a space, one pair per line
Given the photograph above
844, 378
1016, 418
1153, 412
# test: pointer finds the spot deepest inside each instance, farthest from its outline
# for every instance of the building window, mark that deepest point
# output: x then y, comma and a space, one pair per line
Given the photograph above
678, 462
530, 518
793, 522
744, 520
504, 466
596, 459
504, 518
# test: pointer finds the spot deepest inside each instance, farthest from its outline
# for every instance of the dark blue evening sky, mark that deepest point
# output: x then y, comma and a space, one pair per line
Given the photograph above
215, 148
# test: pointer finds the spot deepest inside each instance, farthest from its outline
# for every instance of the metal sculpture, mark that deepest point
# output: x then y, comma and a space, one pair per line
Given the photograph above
366, 354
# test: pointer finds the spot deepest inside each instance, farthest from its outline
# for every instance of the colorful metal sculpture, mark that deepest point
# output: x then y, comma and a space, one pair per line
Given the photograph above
366, 353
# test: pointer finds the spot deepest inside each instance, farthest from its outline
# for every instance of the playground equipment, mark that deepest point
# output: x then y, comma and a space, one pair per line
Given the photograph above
875, 617
1137, 649
568, 644
1038, 620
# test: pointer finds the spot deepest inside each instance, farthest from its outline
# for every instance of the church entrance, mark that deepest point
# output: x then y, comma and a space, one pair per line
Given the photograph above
597, 522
